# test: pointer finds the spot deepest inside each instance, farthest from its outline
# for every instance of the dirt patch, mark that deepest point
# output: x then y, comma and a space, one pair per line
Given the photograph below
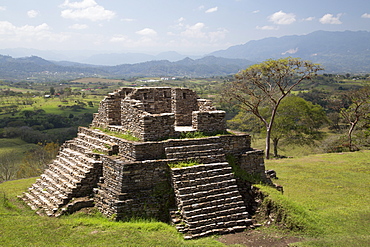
255, 238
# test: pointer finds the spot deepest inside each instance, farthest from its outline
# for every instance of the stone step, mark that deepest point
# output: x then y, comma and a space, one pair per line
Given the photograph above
216, 197
96, 139
91, 146
54, 195
43, 198
208, 200
192, 148
179, 172
78, 157
193, 154
32, 201
197, 179
58, 170
57, 181
199, 189
189, 142
80, 169
206, 194
58, 165
212, 206
214, 212
219, 222
78, 148
219, 227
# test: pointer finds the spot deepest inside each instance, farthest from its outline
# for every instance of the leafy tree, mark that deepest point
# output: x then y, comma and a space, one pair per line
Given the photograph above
52, 90
8, 165
267, 84
297, 121
357, 111
36, 160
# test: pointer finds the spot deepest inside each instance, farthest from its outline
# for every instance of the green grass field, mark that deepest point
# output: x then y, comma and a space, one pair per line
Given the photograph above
333, 191
19, 226
326, 197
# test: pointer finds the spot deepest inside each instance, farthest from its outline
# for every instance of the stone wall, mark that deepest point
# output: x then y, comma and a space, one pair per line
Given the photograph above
236, 144
138, 189
253, 163
158, 126
205, 105
209, 122
184, 102
155, 100
132, 112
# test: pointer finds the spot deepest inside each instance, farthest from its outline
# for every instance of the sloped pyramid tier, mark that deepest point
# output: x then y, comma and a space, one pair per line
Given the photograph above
208, 201
72, 174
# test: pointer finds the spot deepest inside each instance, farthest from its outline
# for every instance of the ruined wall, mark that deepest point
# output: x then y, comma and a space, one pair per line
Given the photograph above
132, 112
205, 105
155, 100
184, 102
209, 122
109, 112
236, 144
139, 189
158, 127
253, 163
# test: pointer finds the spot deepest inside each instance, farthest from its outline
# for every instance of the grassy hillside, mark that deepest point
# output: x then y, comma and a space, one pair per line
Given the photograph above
330, 194
326, 199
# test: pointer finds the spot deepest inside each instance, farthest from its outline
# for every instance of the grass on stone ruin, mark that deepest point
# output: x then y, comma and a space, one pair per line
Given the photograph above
184, 164
200, 134
127, 135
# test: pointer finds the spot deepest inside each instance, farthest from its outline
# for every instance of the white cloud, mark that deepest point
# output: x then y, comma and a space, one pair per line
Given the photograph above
28, 33
78, 26
267, 28
147, 32
2, 8
330, 19
194, 31
282, 18
211, 10
87, 9
119, 38
79, 5
201, 7
366, 15
311, 18
127, 19
255, 12
32, 13
217, 35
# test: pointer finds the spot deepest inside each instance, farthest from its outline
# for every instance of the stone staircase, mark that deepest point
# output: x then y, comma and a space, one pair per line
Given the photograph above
203, 151
72, 174
208, 201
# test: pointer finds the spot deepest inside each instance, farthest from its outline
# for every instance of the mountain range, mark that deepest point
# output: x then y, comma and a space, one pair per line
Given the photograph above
337, 52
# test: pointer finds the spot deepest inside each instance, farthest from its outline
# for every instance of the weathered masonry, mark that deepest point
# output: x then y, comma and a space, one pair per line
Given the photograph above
126, 179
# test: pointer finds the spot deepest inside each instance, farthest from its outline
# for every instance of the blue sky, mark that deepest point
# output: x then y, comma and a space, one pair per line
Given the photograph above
186, 26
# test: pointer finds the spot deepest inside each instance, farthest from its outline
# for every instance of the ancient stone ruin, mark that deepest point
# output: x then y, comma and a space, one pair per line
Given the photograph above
125, 179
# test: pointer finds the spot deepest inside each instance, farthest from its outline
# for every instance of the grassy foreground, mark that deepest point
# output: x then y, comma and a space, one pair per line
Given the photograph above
328, 195
19, 226
326, 199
